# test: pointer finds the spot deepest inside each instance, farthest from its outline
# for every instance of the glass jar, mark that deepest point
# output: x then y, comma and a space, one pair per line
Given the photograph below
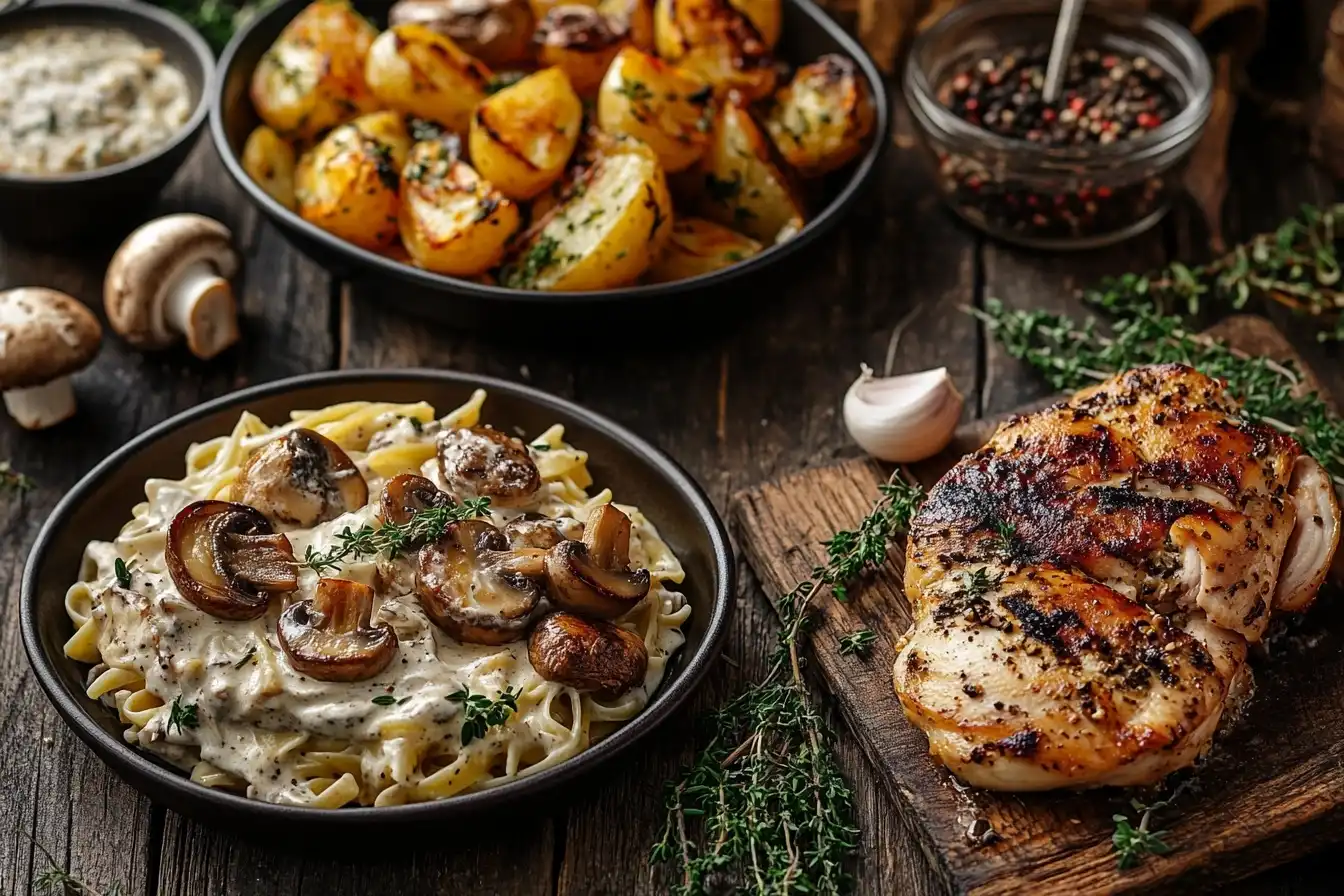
1056, 197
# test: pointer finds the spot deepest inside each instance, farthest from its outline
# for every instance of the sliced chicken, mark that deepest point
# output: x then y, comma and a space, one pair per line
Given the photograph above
1085, 585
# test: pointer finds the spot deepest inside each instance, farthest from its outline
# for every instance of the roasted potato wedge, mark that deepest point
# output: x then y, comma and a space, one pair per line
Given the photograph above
419, 72
820, 119
607, 234
746, 185
667, 108
698, 247
312, 77
269, 160
718, 42
452, 221
765, 16
580, 41
348, 184
522, 136
497, 32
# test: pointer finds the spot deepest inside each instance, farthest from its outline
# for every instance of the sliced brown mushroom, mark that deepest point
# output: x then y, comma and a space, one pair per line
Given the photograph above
475, 588
590, 655
592, 577
480, 462
302, 478
532, 530
226, 559
331, 638
406, 495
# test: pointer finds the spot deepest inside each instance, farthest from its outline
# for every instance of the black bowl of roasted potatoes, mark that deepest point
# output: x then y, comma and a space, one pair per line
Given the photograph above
527, 151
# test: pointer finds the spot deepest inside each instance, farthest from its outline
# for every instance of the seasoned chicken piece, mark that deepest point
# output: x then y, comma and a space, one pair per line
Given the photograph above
1084, 586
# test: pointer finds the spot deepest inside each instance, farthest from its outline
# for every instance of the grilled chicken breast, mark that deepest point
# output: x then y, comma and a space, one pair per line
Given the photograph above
1085, 585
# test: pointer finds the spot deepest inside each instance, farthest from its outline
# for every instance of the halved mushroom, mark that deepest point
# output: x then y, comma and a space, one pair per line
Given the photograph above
486, 463
302, 478
590, 655
475, 588
532, 530
331, 638
406, 495
592, 576
226, 559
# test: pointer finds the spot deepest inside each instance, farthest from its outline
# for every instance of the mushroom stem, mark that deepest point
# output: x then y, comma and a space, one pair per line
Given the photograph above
42, 406
201, 306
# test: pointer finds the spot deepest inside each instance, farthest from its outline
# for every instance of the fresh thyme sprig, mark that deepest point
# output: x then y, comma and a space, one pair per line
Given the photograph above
56, 881
764, 807
181, 715
1071, 355
1297, 265
857, 643
390, 538
480, 713
1132, 843
11, 480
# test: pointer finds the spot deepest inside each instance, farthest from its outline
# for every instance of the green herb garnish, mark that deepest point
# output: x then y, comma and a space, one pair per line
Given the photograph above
481, 713
1132, 843
385, 700
181, 715
122, 572
11, 480
635, 91
541, 255
857, 643
391, 539
251, 652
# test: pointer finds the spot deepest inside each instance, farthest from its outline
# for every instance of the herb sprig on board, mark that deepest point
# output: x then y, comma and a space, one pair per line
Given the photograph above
764, 807
391, 539
1131, 843
11, 480
857, 643
54, 880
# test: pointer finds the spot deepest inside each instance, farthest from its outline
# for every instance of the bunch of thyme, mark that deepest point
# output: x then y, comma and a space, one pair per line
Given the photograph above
216, 20
1297, 265
763, 808
1071, 354
390, 538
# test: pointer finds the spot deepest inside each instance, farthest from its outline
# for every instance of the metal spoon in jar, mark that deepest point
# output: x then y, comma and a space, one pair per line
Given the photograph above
1066, 31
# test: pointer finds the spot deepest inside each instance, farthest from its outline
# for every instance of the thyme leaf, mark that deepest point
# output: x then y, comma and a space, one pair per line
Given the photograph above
181, 715
764, 807
392, 539
857, 643
122, 572
480, 713
1132, 844
11, 480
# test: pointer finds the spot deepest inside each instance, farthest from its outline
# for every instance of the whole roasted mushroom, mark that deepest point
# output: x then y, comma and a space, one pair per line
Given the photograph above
592, 577
226, 559
497, 32
475, 588
331, 638
481, 462
407, 494
302, 478
589, 655
532, 530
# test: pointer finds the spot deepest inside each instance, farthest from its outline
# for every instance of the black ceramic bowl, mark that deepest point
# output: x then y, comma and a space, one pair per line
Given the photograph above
807, 33
98, 505
50, 207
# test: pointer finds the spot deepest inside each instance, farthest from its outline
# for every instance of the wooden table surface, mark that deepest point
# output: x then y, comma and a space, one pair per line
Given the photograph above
735, 403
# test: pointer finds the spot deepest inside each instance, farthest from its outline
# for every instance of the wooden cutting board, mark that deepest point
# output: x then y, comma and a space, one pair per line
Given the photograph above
1272, 790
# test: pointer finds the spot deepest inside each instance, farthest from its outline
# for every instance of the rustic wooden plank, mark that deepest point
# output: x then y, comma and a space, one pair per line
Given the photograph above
1280, 766
59, 794
751, 402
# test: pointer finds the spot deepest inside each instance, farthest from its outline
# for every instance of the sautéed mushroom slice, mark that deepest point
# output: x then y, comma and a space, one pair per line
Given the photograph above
479, 462
477, 589
301, 479
227, 560
331, 637
588, 654
592, 577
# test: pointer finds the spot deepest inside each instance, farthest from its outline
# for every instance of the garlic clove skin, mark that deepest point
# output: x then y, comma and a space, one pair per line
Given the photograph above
903, 419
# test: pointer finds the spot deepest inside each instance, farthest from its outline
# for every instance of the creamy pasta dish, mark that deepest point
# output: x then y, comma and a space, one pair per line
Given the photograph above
371, 605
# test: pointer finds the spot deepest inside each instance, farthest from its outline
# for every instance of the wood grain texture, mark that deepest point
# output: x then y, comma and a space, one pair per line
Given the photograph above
1281, 765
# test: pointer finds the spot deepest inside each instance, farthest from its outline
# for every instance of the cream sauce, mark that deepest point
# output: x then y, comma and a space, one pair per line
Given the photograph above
79, 98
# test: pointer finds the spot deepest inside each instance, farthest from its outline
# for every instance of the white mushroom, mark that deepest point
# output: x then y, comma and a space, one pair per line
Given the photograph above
44, 337
903, 418
171, 279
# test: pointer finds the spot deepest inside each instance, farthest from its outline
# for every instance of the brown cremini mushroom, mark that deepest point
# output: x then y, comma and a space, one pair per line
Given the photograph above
407, 494
226, 559
497, 32
331, 638
170, 279
44, 337
301, 478
589, 655
532, 530
581, 41
476, 589
592, 577
479, 462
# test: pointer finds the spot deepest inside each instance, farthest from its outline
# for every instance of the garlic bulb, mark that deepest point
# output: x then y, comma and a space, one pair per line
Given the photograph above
903, 418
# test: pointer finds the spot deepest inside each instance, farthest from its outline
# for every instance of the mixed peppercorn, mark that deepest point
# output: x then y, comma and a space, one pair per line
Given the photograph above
1107, 97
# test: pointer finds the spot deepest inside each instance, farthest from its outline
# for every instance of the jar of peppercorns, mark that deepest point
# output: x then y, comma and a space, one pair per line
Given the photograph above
1100, 163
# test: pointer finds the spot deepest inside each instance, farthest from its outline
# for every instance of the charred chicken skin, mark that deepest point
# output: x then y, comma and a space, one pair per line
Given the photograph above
1085, 585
